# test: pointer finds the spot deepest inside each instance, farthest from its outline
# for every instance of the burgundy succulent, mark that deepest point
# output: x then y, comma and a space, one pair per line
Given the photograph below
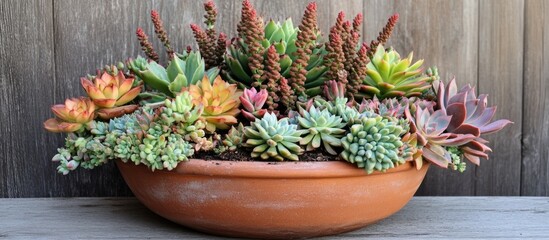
430, 127
470, 115
211, 46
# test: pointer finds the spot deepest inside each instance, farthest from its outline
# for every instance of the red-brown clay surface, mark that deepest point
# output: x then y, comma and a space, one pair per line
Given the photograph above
279, 200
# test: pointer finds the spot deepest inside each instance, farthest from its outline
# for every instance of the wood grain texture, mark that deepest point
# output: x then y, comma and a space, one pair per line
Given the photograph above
422, 218
26, 77
500, 76
452, 46
535, 135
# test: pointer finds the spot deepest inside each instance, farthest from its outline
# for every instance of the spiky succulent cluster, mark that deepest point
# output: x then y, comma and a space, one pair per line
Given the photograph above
275, 139
374, 144
295, 60
211, 45
300, 95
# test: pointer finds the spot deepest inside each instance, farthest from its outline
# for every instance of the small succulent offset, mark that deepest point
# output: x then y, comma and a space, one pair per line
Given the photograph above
321, 127
374, 144
275, 139
234, 138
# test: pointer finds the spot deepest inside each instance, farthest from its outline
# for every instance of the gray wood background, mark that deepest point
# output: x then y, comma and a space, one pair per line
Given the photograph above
497, 45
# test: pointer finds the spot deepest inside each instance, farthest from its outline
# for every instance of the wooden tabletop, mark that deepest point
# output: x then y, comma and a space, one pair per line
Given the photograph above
422, 218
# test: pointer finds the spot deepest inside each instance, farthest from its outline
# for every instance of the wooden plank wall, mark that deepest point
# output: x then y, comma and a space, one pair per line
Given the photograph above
498, 46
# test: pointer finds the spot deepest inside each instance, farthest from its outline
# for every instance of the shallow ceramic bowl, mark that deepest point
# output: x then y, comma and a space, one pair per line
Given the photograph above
275, 200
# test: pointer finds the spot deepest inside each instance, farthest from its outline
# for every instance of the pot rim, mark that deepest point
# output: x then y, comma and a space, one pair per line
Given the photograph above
275, 170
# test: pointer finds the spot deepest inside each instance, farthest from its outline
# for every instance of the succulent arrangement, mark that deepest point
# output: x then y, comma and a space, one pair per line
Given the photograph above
275, 92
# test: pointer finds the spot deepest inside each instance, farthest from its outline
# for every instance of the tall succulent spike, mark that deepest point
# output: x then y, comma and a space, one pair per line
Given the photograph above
250, 29
287, 95
338, 26
161, 32
350, 44
202, 40
384, 35
146, 46
272, 77
304, 43
211, 46
210, 18
358, 71
221, 48
357, 22
335, 59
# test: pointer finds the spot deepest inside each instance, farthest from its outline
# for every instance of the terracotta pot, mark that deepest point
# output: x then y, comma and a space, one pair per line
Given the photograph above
279, 200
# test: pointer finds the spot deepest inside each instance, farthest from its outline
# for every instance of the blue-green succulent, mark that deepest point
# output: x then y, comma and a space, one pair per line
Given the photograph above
374, 143
271, 138
321, 127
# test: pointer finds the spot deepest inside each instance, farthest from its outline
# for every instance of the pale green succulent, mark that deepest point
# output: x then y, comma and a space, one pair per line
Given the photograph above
374, 144
390, 76
321, 126
136, 137
186, 119
273, 139
162, 149
234, 138
339, 107
183, 70
281, 36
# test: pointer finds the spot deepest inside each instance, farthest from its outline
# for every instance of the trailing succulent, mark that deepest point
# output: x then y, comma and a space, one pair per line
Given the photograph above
275, 92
